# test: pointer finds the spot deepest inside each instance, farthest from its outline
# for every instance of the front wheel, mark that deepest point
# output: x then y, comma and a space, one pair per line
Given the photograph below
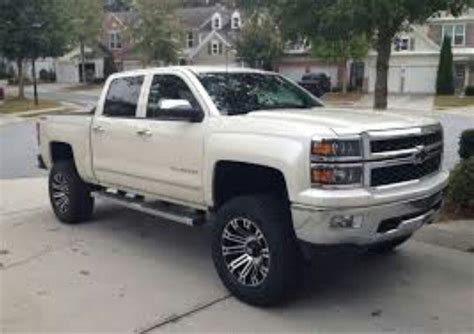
254, 249
70, 196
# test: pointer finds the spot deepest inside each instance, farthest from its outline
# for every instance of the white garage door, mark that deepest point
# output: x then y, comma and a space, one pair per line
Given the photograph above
412, 79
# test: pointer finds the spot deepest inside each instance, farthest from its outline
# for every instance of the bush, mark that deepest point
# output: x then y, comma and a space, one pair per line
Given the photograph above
466, 144
460, 192
445, 77
469, 91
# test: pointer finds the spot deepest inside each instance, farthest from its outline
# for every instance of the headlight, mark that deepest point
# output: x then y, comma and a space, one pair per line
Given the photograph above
337, 175
336, 148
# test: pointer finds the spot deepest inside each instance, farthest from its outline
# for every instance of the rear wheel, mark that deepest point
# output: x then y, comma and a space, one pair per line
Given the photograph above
388, 246
70, 196
254, 249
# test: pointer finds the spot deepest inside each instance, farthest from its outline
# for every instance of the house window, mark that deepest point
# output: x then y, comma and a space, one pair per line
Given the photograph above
456, 32
216, 21
236, 20
214, 47
404, 44
190, 40
115, 40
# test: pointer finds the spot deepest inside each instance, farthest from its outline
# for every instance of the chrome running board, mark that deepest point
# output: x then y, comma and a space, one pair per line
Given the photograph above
168, 211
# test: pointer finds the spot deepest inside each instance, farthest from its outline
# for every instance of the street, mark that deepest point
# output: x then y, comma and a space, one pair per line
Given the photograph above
127, 272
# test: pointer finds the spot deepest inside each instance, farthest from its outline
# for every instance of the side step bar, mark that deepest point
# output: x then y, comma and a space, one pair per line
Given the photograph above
168, 211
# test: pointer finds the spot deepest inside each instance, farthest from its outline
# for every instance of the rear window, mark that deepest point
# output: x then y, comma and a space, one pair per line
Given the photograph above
122, 97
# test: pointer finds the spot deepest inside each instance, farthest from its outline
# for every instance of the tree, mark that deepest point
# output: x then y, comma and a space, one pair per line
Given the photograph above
87, 21
260, 42
32, 29
445, 78
353, 48
379, 20
157, 32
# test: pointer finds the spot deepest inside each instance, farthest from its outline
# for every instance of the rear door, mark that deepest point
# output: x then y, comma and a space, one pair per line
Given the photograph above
114, 132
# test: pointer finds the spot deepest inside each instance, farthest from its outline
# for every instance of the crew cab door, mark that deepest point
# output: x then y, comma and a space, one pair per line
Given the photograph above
170, 150
114, 131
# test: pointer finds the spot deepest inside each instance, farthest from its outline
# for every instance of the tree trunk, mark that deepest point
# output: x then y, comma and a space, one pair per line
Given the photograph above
21, 82
35, 84
83, 79
345, 78
384, 50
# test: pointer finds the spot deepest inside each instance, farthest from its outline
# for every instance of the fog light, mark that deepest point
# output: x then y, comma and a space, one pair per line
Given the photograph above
346, 221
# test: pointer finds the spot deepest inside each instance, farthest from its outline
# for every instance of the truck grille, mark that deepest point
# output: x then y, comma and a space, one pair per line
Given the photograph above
402, 158
404, 172
403, 143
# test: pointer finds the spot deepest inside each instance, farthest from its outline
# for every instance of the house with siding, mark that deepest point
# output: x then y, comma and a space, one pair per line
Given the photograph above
415, 55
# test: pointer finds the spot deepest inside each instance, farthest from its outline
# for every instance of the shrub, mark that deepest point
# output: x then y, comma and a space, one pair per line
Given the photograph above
469, 91
466, 144
445, 78
460, 192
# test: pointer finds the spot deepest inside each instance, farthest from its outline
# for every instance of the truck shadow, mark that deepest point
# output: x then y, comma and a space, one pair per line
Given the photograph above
330, 276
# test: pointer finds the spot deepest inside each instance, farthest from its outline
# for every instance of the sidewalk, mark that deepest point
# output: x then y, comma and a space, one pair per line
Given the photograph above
455, 235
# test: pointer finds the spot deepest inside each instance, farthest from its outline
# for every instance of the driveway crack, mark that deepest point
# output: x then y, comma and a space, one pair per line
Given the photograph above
177, 317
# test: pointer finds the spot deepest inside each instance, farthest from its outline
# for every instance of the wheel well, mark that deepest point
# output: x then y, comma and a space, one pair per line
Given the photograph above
61, 151
233, 179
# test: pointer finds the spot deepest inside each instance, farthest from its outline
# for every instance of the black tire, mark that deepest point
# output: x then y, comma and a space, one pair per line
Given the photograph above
388, 246
272, 217
75, 204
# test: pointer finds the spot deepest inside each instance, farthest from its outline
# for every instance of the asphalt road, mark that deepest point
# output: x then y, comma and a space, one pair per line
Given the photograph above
127, 272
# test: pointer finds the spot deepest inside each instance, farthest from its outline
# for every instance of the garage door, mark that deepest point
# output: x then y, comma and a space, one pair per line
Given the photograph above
412, 79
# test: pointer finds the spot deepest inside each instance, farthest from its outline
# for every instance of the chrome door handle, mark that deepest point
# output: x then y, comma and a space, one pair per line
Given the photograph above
144, 133
98, 128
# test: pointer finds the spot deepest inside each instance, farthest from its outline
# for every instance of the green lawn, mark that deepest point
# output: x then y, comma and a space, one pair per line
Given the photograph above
445, 101
16, 105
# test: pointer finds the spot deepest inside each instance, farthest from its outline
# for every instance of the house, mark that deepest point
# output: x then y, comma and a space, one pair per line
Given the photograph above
415, 55
210, 35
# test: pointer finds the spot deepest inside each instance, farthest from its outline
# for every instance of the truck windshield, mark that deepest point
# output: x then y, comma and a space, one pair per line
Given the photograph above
241, 93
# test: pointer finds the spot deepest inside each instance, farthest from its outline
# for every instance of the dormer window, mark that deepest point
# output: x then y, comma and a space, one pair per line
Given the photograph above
236, 22
216, 21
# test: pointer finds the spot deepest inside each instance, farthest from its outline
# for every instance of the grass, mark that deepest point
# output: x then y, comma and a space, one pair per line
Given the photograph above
83, 87
16, 105
339, 98
448, 101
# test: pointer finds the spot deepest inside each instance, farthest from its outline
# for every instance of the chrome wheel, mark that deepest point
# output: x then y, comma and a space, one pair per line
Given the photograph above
60, 192
245, 252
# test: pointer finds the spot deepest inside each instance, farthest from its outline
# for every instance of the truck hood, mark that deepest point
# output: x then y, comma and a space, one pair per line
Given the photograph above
339, 121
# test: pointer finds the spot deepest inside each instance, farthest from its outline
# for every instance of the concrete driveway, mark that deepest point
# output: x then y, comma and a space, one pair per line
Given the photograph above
127, 272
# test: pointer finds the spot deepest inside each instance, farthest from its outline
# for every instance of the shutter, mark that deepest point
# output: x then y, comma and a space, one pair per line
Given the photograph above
209, 48
412, 44
220, 48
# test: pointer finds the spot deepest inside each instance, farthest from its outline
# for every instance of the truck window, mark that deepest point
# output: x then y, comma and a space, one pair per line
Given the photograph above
168, 87
122, 97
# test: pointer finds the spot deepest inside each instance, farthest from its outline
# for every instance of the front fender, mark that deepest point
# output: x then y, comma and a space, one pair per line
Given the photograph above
287, 155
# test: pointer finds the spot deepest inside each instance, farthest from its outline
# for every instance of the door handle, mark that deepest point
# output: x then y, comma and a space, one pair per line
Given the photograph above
98, 129
144, 133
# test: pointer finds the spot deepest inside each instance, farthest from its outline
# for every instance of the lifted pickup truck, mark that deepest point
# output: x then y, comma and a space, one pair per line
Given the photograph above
256, 156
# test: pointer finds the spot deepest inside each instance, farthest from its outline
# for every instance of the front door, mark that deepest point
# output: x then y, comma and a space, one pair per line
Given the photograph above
170, 152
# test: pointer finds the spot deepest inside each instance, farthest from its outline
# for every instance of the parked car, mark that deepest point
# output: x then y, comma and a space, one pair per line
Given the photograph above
317, 84
254, 155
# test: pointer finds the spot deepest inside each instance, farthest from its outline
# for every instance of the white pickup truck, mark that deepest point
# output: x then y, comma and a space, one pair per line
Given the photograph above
256, 156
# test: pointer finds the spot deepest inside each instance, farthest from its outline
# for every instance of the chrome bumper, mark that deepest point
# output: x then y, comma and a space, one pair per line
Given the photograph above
369, 225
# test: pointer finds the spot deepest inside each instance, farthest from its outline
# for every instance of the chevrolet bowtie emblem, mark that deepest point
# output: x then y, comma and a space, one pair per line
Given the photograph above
420, 155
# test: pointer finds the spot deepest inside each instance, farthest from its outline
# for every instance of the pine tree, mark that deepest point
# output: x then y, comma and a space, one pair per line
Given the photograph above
445, 79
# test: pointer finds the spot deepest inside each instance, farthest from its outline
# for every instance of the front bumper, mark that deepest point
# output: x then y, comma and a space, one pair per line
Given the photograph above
372, 223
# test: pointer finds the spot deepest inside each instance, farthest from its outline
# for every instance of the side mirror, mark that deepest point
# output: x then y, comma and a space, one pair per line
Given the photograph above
181, 109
